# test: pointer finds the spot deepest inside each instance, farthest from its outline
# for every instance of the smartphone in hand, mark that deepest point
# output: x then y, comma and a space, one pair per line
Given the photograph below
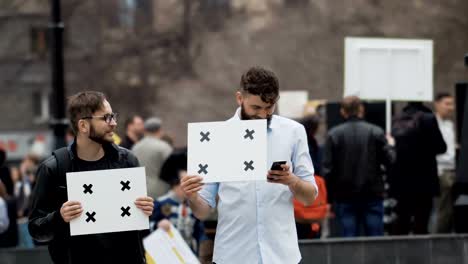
277, 165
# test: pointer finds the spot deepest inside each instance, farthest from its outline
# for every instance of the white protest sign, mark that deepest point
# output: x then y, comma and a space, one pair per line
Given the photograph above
107, 198
234, 150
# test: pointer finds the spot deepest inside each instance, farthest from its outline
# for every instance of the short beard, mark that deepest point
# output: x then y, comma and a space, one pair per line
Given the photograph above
245, 116
98, 138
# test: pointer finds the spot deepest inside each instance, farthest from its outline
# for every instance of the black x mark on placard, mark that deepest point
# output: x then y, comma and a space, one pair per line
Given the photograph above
125, 185
205, 136
203, 169
249, 134
249, 165
125, 211
90, 216
87, 188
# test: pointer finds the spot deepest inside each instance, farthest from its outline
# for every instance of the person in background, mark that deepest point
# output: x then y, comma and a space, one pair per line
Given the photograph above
444, 107
311, 124
152, 152
354, 155
413, 178
172, 208
22, 192
134, 131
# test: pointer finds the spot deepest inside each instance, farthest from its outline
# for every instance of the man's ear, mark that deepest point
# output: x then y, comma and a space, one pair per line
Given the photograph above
362, 111
343, 113
83, 126
239, 98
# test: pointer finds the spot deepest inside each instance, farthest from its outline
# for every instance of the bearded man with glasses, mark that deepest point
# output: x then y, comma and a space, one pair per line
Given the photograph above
93, 123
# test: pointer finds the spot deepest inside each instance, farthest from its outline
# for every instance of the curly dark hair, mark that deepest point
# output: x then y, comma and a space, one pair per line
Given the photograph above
261, 82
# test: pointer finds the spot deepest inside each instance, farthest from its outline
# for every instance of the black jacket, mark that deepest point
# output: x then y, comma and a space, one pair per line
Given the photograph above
47, 225
9, 238
415, 169
353, 157
127, 143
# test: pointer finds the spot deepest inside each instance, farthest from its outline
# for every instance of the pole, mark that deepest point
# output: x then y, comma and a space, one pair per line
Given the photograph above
59, 122
388, 114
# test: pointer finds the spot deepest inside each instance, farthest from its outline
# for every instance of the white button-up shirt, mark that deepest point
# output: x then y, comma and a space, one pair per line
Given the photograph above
256, 218
446, 161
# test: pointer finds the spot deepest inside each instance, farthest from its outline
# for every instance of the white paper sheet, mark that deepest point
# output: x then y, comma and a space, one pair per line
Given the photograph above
168, 247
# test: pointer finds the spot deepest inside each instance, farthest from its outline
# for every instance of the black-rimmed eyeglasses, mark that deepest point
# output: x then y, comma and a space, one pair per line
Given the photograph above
107, 117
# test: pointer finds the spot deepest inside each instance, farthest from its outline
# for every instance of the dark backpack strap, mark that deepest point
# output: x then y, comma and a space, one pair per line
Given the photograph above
63, 163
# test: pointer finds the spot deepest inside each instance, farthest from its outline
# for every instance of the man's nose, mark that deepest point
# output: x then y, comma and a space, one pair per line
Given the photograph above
263, 114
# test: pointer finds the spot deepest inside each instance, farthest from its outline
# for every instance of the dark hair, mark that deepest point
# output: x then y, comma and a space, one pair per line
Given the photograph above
84, 104
351, 105
441, 96
175, 180
261, 82
130, 120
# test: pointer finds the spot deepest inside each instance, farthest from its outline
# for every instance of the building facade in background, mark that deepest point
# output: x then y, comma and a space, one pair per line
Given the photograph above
180, 59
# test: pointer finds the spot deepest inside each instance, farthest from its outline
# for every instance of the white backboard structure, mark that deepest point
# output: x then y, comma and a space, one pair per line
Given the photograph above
292, 103
389, 69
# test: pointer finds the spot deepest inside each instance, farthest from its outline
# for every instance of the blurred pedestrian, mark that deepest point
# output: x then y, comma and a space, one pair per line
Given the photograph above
444, 109
134, 131
354, 155
152, 152
413, 179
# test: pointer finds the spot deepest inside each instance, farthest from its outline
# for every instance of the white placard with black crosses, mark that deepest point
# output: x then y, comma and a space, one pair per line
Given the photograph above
107, 198
234, 150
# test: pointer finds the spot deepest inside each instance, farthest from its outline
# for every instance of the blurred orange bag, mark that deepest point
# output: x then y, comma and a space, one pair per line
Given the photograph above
318, 209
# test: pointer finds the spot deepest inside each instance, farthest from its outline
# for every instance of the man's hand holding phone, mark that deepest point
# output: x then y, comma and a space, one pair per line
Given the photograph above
279, 173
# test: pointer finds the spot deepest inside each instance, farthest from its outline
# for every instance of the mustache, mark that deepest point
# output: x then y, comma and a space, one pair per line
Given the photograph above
259, 117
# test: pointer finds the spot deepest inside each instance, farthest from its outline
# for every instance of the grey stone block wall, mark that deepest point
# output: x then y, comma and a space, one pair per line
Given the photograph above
441, 249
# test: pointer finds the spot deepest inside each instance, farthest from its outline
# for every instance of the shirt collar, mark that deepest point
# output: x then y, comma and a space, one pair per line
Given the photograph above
440, 119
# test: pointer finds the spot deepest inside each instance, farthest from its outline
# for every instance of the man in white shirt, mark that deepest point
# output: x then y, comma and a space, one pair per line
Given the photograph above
256, 218
444, 108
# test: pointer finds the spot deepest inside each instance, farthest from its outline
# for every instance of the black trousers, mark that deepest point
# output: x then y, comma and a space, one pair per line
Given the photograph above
413, 213
461, 219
